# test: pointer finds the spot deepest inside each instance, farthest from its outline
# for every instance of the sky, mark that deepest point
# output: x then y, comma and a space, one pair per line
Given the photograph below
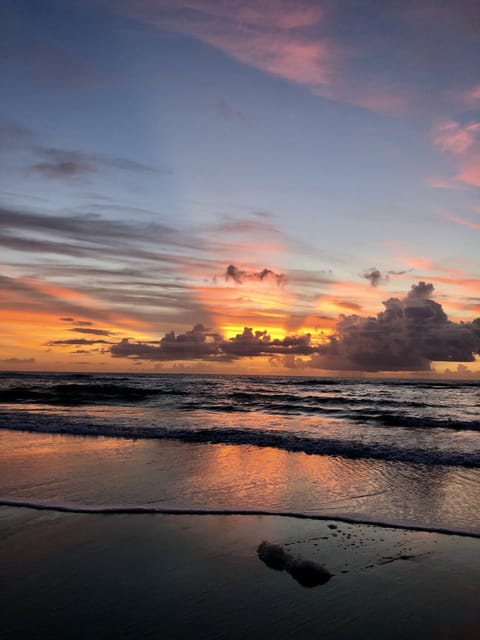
227, 186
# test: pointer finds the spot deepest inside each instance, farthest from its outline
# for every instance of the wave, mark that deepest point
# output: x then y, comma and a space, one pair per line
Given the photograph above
73, 394
397, 382
64, 507
251, 437
388, 419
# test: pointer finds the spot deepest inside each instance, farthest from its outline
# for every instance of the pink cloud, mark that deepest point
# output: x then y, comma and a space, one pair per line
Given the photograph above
454, 137
462, 141
270, 36
285, 38
280, 14
288, 56
442, 183
458, 220
470, 173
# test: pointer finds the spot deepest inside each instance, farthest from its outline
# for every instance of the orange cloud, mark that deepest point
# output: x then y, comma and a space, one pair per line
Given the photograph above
349, 297
32, 307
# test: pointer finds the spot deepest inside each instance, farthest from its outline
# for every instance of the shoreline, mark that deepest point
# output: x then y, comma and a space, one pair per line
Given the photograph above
146, 476
185, 511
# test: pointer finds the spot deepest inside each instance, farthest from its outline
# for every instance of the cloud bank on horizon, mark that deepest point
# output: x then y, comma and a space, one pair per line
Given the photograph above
407, 336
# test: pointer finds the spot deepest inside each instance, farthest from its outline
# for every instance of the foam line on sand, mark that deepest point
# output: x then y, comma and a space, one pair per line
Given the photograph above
65, 507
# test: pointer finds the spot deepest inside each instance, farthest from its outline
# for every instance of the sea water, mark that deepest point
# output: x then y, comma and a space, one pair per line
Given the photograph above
404, 452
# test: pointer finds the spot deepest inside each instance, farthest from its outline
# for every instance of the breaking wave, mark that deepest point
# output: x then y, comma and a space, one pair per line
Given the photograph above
253, 437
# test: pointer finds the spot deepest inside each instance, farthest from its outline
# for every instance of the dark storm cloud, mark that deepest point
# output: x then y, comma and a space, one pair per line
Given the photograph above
240, 276
191, 345
258, 343
201, 343
407, 336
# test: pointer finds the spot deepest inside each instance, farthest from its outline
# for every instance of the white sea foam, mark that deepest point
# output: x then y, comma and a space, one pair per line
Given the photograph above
66, 507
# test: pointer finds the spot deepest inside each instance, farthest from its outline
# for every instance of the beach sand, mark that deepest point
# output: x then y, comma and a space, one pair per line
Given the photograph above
199, 576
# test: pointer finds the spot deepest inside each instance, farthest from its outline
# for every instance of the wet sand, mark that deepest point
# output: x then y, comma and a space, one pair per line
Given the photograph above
186, 576
101, 472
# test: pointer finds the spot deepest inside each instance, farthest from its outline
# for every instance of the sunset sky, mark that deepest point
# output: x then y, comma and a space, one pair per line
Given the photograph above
238, 186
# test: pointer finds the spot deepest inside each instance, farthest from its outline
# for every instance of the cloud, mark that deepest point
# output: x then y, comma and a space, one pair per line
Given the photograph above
295, 40
56, 163
17, 361
462, 141
74, 341
459, 220
95, 332
374, 276
86, 233
240, 276
259, 343
470, 172
33, 301
65, 163
197, 343
407, 336
455, 137
201, 343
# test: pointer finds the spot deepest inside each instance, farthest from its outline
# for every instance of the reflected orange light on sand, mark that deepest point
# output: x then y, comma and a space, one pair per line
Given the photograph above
263, 474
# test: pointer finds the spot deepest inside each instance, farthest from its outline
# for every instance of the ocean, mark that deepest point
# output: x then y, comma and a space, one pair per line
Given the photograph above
396, 452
